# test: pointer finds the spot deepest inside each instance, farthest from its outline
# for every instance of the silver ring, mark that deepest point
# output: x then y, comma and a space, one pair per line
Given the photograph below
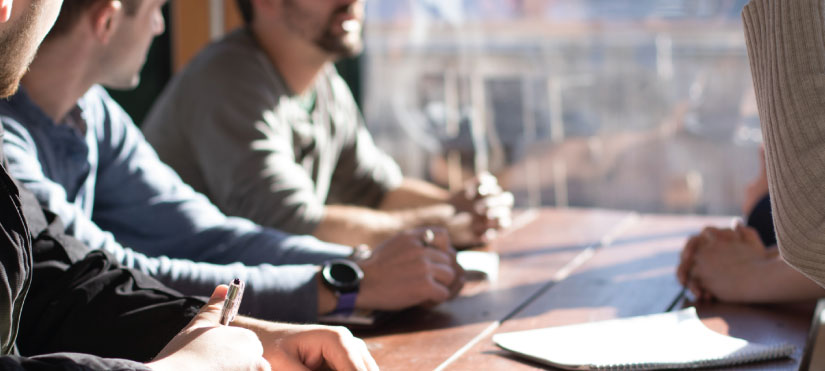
428, 238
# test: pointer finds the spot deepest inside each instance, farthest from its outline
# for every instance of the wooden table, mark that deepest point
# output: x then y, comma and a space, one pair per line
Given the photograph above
565, 266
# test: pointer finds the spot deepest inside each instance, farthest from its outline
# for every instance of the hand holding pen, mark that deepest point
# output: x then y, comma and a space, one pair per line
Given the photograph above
206, 345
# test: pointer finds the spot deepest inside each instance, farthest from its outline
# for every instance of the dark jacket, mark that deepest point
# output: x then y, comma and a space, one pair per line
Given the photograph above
82, 310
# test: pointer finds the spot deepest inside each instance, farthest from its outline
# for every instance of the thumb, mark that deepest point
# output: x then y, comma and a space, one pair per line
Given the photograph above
750, 236
284, 362
210, 314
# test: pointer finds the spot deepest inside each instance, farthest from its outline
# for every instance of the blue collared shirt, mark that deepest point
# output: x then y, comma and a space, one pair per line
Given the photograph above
97, 172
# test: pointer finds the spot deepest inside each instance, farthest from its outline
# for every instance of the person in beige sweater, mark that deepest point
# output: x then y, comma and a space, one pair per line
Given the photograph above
786, 47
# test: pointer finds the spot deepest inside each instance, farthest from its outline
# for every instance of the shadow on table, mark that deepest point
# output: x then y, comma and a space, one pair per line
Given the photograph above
608, 286
531, 251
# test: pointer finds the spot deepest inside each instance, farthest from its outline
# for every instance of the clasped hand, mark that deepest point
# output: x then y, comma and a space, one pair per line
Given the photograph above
482, 209
723, 263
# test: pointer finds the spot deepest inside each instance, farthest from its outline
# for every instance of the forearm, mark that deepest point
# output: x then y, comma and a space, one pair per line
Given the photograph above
776, 281
353, 225
786, 51
414, 193
285, 293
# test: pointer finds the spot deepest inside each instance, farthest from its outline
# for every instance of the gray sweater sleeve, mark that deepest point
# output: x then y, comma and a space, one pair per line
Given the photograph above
235, 143
786, 47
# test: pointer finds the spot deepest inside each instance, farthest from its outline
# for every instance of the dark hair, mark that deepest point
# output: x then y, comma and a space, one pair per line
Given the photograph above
245, 6
72, 10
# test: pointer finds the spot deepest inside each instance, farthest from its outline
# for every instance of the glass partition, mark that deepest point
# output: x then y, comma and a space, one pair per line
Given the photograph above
632, 104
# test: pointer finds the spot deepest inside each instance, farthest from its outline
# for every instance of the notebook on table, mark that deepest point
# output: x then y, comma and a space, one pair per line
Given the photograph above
673, 340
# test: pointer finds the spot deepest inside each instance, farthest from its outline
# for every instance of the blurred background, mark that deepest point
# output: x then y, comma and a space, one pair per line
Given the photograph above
629, 104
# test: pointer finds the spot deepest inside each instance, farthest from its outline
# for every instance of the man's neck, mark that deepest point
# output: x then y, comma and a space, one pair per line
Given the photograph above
298, 62
58, 78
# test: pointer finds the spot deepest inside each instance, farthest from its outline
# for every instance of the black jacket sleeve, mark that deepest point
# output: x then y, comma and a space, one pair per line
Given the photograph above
15, 280
83, 301
68, 361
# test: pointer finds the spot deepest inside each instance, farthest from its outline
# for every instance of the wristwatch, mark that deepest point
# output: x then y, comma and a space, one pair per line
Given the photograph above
344, 278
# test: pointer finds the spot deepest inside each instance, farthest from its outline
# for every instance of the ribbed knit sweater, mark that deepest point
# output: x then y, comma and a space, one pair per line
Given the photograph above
786, 47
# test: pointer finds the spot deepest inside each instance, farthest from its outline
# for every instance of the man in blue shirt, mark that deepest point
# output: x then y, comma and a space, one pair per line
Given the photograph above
82, 156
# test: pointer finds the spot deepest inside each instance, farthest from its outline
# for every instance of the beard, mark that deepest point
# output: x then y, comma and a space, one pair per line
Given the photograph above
17, 50
301, 21
344, 46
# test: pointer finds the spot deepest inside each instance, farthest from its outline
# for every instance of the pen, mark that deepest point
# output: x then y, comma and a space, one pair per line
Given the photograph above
232, 302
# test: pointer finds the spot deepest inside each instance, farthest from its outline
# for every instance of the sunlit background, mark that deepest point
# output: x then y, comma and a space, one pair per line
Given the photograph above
631, 104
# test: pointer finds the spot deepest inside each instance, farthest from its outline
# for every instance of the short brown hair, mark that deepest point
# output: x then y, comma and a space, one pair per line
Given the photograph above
72, 10
245, 6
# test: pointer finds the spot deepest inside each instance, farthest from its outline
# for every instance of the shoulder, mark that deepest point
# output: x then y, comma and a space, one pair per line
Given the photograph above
229, 77
99, 107
236, 60
19, 116
105, 116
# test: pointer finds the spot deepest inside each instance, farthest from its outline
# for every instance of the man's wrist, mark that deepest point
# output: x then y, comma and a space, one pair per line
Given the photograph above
327, 299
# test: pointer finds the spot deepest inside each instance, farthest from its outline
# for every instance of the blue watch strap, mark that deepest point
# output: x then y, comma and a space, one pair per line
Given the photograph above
346, 302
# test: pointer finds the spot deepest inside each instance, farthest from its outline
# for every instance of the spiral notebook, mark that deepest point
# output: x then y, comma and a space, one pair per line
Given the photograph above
673, 340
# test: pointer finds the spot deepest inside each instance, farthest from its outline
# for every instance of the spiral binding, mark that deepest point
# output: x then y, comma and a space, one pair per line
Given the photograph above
741, 357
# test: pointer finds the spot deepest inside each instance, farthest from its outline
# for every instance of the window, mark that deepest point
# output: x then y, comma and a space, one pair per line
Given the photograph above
632, 104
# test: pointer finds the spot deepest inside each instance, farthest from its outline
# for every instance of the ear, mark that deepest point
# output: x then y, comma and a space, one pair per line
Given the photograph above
5, 10
105, 18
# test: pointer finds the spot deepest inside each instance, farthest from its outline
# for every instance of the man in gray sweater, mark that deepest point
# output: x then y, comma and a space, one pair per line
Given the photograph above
262, 124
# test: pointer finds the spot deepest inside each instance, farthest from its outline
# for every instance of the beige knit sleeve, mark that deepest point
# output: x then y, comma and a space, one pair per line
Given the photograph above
786, 47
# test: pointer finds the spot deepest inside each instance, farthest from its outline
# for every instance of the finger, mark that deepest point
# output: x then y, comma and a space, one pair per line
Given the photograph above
210, 313
435, 291
337, 350
441, 241
438, 257
497, 217
288, 363
486, 184
368, 359
443, 274
751, 236
686, 261
498, 200
358, 353
710, 233
481, 226
727, 234
696, 288
738, 229
458, 282
264, 365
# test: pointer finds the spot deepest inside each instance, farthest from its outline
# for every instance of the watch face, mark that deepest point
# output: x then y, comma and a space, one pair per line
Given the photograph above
342, 275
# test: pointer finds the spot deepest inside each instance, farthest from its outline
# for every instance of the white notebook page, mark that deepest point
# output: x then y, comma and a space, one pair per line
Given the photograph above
658, 341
